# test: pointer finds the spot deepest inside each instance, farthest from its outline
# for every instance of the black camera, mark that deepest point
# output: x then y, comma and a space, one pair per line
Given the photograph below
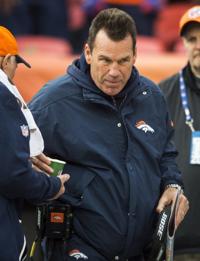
54, 224
54, 220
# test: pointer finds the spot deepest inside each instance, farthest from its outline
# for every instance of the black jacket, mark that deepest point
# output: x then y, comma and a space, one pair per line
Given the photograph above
188, 234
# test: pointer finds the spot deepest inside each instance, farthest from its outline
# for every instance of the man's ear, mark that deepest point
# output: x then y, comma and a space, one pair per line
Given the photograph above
88, 55
6, 61
184, 40
134, 55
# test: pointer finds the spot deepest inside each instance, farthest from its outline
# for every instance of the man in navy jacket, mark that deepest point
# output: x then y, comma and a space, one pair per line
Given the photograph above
18, 180
112, 127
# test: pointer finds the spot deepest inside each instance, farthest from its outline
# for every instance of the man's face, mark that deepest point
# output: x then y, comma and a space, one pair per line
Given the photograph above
191, 42
110, 62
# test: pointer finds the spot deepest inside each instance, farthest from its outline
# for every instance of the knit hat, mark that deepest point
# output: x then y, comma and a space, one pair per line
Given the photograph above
8, 45
191, 15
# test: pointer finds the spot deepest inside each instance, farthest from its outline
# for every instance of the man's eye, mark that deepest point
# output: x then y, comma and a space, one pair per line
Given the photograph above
105, 60
191, 39
123, 61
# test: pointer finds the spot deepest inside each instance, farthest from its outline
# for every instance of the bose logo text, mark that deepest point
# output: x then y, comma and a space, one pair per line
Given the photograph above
161, 226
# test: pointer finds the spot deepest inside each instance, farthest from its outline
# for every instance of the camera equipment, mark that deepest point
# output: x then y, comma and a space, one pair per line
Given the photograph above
54, 222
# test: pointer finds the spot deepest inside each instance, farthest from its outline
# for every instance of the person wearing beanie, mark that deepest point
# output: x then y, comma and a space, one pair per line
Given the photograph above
20, 139
182, 91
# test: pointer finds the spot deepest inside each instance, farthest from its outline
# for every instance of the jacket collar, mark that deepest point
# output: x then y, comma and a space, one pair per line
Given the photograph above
189, 79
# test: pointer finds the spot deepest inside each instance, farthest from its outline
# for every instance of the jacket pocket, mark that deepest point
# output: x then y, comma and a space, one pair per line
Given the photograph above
80, 178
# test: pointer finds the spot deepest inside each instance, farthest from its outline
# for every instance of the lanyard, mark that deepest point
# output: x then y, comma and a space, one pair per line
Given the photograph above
184, 100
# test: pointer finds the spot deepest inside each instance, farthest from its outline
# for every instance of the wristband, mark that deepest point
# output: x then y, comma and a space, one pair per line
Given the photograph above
176, 186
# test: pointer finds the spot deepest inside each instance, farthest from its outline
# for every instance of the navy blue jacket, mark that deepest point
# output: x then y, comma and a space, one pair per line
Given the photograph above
118, 151
17, 179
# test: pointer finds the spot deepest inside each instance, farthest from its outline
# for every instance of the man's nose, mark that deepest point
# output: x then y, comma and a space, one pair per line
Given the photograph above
114, 70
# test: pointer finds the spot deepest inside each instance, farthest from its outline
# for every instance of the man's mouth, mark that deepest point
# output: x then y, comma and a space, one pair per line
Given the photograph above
112, 82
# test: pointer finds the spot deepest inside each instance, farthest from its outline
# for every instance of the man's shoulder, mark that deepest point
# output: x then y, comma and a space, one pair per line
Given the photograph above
152, 86
6, 97
169, 82
54, 91
3, 90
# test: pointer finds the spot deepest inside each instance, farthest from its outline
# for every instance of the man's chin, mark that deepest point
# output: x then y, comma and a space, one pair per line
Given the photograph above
111, 92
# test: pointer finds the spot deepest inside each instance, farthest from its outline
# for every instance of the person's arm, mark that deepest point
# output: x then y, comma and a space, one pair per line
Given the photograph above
41, 163
168, 166
17, 177
171, 177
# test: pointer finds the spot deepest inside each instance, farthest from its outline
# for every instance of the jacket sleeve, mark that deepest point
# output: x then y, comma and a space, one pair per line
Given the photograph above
17, 178
168, 166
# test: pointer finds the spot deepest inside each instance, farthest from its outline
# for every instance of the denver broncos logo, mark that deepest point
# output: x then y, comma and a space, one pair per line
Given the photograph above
77, 254
141, 125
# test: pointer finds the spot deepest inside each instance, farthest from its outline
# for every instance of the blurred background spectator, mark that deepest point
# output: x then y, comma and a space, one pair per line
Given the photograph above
65, 19
144, 12
25, 17
69, 20
167, 21
80, 15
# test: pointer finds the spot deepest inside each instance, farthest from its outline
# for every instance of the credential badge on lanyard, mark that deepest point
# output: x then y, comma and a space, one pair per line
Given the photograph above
195, 135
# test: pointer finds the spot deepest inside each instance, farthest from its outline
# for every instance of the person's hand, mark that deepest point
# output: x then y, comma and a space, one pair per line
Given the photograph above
169, 196
41, 163
63, 178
